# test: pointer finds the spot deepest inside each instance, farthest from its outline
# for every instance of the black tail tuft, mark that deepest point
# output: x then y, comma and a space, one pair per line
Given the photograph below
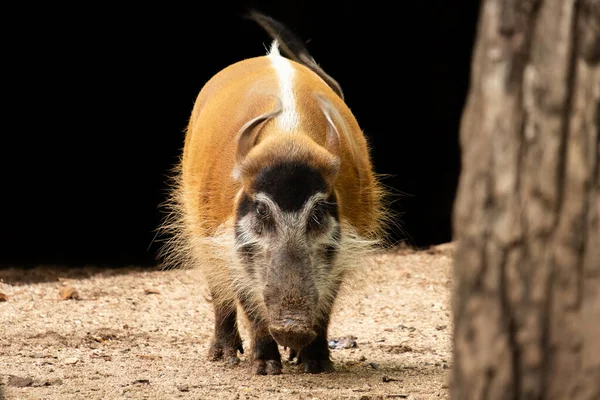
293, 47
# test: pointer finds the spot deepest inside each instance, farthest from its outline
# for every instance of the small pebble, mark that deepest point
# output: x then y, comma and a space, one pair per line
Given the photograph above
17, 381
50, 382
68, 292
183, 388
346, 342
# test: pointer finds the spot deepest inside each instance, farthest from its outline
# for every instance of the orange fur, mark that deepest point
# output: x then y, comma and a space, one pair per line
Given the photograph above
243, 91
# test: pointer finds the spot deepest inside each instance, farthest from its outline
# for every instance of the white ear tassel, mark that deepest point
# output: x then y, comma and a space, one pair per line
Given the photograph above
274, 50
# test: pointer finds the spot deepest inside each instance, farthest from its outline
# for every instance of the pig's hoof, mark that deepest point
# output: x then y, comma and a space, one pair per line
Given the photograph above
267, 367
218, 351
318, 366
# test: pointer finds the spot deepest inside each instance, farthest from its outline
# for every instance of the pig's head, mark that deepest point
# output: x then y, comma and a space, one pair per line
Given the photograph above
287, 227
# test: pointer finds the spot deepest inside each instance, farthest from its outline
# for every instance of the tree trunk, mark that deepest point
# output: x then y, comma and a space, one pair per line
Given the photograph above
526, 299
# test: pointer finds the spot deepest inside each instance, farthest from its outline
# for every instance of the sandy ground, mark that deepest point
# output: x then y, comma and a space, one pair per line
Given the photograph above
143, 334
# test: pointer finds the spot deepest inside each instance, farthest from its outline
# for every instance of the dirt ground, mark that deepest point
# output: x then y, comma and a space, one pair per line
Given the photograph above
143, 334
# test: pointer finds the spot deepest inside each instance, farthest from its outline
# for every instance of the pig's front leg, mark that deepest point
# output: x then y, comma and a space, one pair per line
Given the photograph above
315, 357
226, 340
266, 359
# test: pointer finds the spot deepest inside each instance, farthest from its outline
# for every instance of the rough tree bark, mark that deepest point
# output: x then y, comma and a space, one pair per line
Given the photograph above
527, 292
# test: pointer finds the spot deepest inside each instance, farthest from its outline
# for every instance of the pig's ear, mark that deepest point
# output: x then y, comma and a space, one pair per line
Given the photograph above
246, 136
336, 126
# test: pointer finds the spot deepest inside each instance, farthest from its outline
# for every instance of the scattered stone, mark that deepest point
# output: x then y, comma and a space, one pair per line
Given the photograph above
17, 381
408, 328
142, 381
362, 358
399, 349
151, 291
71, 360
47, 382
102, 336
3, 297
99, 354
445, 248
374, 365
386, 378
148, 356
345, 342
440, 327
105, 357
183, 388
68, 292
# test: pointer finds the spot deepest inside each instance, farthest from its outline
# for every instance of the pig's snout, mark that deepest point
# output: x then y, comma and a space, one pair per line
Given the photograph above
291, 320
292, 332
291, 298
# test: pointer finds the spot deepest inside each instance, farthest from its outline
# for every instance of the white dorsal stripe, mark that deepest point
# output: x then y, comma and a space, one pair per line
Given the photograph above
289, 119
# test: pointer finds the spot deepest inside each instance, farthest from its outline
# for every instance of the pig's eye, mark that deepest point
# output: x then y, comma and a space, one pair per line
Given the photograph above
263, 221
318, 217
261, 210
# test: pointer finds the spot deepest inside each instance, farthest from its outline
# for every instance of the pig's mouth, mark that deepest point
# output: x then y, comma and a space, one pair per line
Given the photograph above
292, 332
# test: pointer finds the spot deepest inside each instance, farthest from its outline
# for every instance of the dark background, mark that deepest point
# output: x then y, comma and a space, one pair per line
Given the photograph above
98, 100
